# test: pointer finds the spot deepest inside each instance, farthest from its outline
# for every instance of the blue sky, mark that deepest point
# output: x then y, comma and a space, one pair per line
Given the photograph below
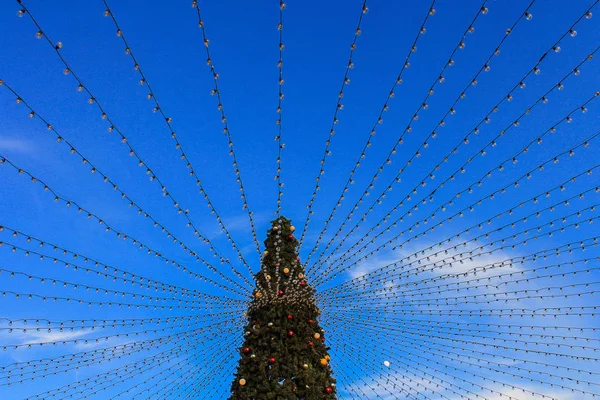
167, 43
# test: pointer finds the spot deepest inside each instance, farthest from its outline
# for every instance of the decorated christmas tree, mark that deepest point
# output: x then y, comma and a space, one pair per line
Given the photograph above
284, 355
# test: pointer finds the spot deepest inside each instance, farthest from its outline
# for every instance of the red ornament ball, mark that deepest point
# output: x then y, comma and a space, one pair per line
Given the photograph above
246, 350
323, 339
272, 360
303, 283
281, 292
291, 236
297, 258
310, 321
290, 316
328, 390
290, 333
311, 344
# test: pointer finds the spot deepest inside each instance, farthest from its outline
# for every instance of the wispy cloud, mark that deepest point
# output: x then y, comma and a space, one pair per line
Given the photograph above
17, 145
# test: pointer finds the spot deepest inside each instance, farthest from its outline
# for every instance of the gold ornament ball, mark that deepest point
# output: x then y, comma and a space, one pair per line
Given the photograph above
301, 276
305, 366
268, 277
292, 228
327, 357
242, 382
323, 361
258, 295
270, 324
317, 335
286, 270
275, 228
266, 252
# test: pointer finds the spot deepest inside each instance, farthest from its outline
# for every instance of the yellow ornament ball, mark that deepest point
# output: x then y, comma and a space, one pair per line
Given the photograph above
292, 228
242, 382
268, 277
266, 252
258, 295
301, 276
317, 335
323, 361
286, 270
327, 357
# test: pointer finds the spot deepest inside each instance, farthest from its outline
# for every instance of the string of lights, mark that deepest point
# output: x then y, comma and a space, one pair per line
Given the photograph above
409, 344
280, 96
109, 228
385, 274
53, 366
520, 85
406, 333
461, 298
157, 108
420, 382
508, 211
451, 111
512, 159
338, 107
217, 92
222, 302
452, 345
117, 274
132, 152
120, 372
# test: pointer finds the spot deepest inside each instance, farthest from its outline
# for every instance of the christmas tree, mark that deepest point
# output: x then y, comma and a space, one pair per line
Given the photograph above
284, 355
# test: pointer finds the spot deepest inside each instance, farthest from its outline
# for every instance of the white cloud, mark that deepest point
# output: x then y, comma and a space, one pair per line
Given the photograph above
16, 145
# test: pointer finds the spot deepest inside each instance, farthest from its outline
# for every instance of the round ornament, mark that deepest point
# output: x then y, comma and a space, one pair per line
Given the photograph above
303, 283
292, 228
246, 350
317, 335
310, 343
291, 237
323, 361
266, 252
310, 321
328, 390
300, 276
386, 363
327, 357
286, 270
275, 228
270, 324
242, 382
268, 277
252, 355
290, 317
272, 360
305, 366
290, 333
281, 292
